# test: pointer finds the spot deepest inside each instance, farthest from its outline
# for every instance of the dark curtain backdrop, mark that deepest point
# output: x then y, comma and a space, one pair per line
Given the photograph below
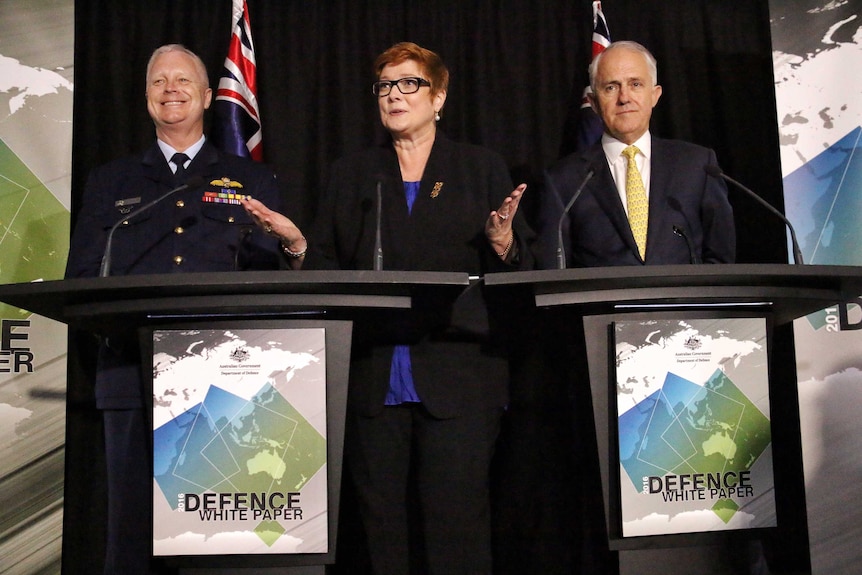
516, 67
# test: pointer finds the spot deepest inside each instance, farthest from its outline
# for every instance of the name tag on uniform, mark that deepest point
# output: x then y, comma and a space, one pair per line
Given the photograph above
125, 205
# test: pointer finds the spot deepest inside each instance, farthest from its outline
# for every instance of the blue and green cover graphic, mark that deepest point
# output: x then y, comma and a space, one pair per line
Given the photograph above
239, 442
694, 441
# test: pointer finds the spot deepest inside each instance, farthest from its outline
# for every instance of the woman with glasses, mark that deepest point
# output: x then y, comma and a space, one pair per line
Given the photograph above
424, 410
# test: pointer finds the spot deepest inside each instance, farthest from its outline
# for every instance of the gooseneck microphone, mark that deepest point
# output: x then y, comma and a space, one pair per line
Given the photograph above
561, 252
378, 246
105, 269
716, 172
692, 256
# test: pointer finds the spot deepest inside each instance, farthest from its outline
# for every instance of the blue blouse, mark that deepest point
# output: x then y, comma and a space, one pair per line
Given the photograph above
401, 387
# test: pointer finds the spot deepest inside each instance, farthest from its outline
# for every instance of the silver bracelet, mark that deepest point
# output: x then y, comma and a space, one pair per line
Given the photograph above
292, 254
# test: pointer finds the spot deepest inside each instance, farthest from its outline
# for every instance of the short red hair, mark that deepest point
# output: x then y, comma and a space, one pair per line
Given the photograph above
429, 62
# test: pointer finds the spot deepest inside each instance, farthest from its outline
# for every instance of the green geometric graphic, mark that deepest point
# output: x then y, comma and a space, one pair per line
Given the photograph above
229, 444
685, 429
269, 532
725, 509
34, 228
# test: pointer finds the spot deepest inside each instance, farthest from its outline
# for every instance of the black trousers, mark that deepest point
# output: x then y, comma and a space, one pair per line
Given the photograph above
405, 456
128, 432
129, 471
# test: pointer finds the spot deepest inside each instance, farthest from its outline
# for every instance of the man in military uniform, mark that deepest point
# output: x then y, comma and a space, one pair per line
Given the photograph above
201, 228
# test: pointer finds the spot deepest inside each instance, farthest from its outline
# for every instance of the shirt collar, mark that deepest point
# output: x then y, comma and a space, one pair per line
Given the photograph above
613, 148
191, 151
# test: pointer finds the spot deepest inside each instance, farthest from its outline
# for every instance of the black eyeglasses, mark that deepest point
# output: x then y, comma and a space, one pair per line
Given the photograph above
405, 86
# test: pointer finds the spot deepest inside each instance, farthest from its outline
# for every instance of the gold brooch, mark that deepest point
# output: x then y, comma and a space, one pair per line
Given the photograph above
436, 191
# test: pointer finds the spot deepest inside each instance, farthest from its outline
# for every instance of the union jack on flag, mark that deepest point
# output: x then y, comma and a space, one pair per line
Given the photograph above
601, 40
236, 128
584, 127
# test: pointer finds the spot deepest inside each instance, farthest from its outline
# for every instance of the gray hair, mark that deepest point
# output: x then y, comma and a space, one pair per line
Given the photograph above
652, 66
200, 67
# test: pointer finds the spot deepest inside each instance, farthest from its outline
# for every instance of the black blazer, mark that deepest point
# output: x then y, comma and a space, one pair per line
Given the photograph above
456, 364
682, 196
179, 235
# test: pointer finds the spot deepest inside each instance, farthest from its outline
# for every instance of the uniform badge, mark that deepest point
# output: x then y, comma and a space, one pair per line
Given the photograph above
124, 206
225, 183
226, 194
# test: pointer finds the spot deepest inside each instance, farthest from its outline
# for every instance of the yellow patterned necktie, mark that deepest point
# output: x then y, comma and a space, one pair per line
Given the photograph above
636, 200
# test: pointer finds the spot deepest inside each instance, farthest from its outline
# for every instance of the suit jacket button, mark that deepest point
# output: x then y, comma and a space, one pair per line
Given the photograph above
178, 230
230, 219
178, 260
181, 204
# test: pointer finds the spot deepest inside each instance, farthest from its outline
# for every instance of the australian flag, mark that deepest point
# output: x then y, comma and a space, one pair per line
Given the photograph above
583, 127
236, 128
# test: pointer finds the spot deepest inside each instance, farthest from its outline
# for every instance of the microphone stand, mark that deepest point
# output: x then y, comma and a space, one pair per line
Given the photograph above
561, 253
105, 268
716, 172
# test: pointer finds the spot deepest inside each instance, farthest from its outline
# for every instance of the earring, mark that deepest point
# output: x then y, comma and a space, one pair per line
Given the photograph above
436, 116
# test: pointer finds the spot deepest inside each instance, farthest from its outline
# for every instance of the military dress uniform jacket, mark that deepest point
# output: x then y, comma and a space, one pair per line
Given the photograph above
456, 363
194, 230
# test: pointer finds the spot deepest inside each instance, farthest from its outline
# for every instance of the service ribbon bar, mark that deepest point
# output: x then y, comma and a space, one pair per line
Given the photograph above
222, 198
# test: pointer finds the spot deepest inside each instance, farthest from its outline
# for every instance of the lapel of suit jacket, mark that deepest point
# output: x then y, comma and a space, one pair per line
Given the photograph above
423, 225
440, 164
394, 221
155, 167
660, 174
206, 157
605, 191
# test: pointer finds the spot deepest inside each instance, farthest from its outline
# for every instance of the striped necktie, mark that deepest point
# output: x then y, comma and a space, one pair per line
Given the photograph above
636, 200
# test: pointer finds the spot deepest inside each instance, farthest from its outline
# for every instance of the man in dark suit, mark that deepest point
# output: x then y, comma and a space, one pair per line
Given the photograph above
687, 219
202, 228
643, 201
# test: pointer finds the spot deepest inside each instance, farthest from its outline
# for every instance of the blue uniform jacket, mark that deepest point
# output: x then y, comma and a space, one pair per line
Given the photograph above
191, 231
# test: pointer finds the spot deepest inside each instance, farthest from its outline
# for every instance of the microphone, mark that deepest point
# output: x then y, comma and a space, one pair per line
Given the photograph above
105, 269
692, 257
561, 254
378, 247
716, 172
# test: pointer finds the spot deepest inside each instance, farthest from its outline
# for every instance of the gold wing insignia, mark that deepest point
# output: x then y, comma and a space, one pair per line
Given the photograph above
225, 182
